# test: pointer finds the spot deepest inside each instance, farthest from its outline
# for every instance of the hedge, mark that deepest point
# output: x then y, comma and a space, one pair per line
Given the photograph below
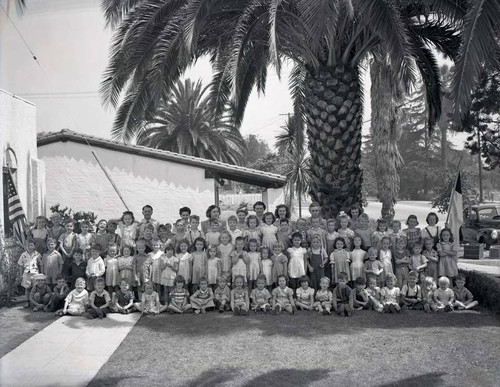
485, 288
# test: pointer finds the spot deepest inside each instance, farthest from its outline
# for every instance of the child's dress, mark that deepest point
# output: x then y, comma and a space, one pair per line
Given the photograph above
279, 266
267, 270
260, 298
357, 263
213, 270
395, 236
225, 257
304, 296
268, 235
95, 267
443, 297
112, 271
235, 234
77, 302
324, 297
282, 296
413, 235
177, 297
139, 269
151, 302
212, 238
432, 266
126, 267
342, 295
40, 236
240, 267
29, 263
52, 266
253, 233
185, 269
296, 267
103, 240
253, 265
389, 296
199, 266
156, 266
447, 264
168, 274
377, 238
239, 296
128, 234
374, 265
341, 259
385, 258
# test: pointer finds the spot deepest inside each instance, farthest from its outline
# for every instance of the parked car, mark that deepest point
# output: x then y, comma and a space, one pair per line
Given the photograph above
481, 225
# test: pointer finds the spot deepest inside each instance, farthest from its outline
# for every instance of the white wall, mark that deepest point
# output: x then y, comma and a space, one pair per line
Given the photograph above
74, 179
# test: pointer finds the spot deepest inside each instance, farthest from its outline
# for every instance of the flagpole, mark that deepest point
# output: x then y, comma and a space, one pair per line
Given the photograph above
453, 189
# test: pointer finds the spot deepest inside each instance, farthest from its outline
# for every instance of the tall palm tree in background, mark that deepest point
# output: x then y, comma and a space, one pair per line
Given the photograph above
155, 42
184, 123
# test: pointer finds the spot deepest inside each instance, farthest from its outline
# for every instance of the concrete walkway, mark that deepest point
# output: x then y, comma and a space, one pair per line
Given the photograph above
69, 352
480, 266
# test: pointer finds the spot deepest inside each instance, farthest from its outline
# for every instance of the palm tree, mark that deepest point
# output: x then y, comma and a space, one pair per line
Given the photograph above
184, 123
327, 40
292, 136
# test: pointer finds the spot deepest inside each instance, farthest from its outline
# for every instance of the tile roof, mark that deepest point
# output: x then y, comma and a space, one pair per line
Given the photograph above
212, 168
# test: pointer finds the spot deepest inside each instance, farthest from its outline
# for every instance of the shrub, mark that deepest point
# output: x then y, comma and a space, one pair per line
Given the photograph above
485, 288
10, 251
78, 216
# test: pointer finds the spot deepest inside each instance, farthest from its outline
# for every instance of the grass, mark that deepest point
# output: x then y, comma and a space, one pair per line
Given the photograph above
368, 349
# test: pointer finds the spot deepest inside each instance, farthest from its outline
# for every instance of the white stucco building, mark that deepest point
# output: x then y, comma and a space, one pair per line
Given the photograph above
142, 175
19, 153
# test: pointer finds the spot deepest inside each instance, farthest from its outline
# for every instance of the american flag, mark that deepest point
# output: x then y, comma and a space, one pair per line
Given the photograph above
16, 213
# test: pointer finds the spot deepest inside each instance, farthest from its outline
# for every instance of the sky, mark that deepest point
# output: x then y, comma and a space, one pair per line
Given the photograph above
70, 42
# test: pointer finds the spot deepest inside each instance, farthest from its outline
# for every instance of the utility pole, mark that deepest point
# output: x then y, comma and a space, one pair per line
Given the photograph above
480, 163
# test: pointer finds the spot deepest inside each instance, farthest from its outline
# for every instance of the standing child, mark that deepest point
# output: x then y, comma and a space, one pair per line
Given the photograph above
283, 297
345, 232
185, 262
59, 293
463, 297
240, 260
212, 237
354, 212
76, 301
448, 255
84, 239
122, 301
432, 258
254, 264
225, 249
128, 229
203, 299
315, 211
77, 269
41, 294
40, 234
222, 295
268, 230
126, 264
298, 261
331, 235
213, 266
253, 230
432, 229
52, 262
179, 296
139, 265
239, 296
342, 297
317, 258
304, 294
418, 261
113, 237
389, 295
150, 301
233, 230
340, 259
29, 263
373, 267
283, 235
57, 229
364, 231
112, 271
280, 263
413, 234
357, 257
199, 262
396, 232
324, 297
267, 267
95, 265
180, 235
401, 261
315, 229
154, 265
444, 296
99, 301
170, 266
380, 233
101, 236
385, 256
301, 228
193, 231
148, 237
163, 237
411, 293
241, 214
67, 243
260, 296
360, 297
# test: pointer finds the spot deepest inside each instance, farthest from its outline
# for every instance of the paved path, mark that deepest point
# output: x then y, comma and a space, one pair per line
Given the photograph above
69, 352
492, 269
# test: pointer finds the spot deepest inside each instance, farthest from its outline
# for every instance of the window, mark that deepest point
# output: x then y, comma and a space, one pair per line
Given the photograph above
487, 213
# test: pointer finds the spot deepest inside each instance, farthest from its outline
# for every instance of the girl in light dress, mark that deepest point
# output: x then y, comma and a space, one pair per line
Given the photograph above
40, 234
199, 262
239, 260
331, 235
150, 301
84, 239
358, 256
203, 299
101, 236
305, 295
154, 265
225, 249
126, 264
239, 296
385, 256
214, 266
390, 294
112, 271
344, 231
448, 255
28, 263
298, 261
253, 229
432, 230
340, 258
380, 233
280, 262
254, 264
185, 262
76, 301
373, 267
179, 296
128, 229
413, 234
267, 266
283, 297
170, 266
268, 230
444, 297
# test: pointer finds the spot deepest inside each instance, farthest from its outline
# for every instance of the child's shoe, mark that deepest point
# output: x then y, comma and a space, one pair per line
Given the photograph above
277, 309
237, 310
243, 312
392, 309
267, 308
448, 308
197, 311
203, 311
348, 313
221, 310
427, 308
324, 312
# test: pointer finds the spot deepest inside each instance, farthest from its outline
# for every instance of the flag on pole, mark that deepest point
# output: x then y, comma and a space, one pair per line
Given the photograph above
16, 213
455, 211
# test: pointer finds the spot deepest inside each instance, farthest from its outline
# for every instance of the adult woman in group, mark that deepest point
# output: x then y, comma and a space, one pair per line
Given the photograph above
213, 213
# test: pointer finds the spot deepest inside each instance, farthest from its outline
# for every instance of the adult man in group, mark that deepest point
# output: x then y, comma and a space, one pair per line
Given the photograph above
147, 212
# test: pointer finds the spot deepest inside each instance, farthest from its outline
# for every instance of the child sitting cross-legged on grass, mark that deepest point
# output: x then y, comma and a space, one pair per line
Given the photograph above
122, 301
305, 294
76, 301
324, 297
179, 296
99, 301
389, 295
260, 296
411, 293
374, 294
283, 297
222, 295
59, 293
203, 299
444, 296
239, 296
360, 297
40, 295
463, 297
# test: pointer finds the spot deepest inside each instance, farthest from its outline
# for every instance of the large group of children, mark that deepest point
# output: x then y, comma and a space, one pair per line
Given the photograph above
262, 262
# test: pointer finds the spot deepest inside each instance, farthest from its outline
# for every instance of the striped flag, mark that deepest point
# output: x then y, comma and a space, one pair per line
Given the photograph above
455, 211
16, 213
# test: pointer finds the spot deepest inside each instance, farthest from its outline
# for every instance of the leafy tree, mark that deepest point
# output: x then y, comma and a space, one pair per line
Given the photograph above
327, 41
77, 216
255, 148
185, 123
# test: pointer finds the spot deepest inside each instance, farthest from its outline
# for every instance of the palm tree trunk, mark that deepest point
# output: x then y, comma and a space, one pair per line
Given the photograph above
300, 205
334, 118
385, 134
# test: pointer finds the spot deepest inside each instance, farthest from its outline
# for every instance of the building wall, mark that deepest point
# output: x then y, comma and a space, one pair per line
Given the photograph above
74, 179
18, 131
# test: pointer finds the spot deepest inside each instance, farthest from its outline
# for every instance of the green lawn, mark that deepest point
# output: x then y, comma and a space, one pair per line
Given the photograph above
414, 349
